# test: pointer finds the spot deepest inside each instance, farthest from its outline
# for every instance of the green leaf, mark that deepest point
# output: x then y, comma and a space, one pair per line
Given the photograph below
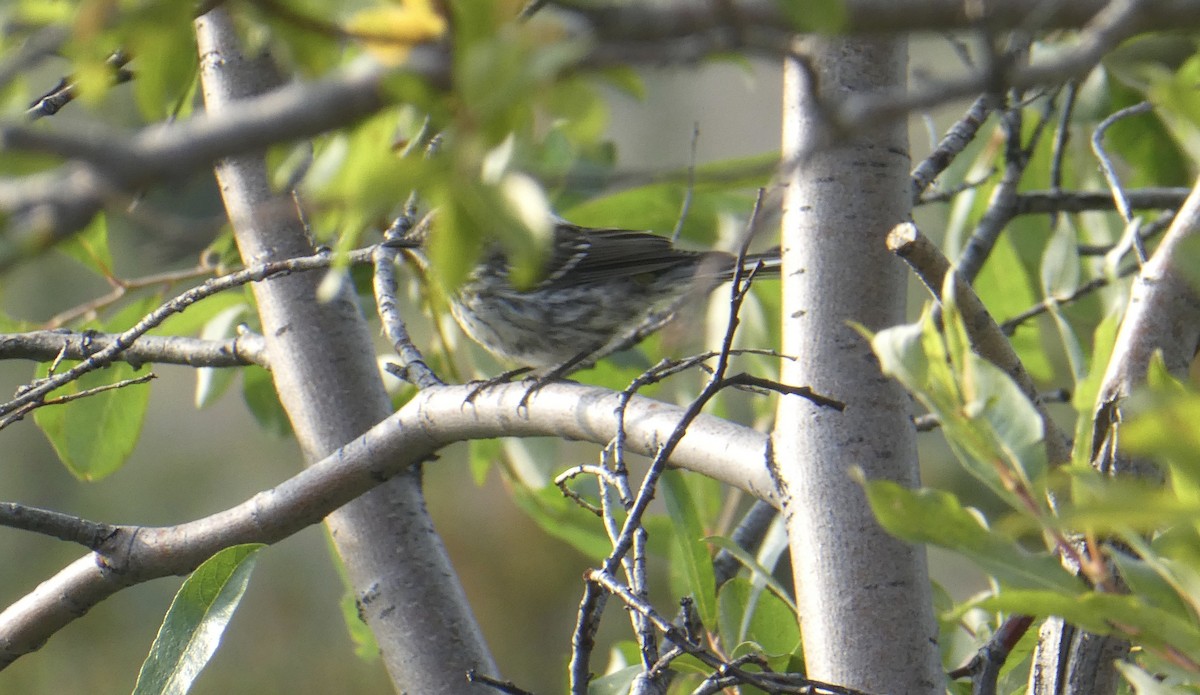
160, 35
1145, 683
1103, 339
258, 390
1152, 581
94, 435
564, 519
749, 614
1186, 257
1163, 426
1060, 262
356, 176
90, 247
657, 206
583, 114
760, 575
991, 425
815, 16
365, 646
484, 453
1060, 277
1103, 505
626, 79
1104, 614
615, 683
212, 382
195, 622
1157, 148
1007, 289
695, 563
936, 517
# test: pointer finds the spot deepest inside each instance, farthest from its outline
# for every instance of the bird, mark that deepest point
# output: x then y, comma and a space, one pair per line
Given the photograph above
599, 288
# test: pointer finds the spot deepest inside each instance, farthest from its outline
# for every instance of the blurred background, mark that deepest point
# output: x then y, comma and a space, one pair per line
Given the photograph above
288, 635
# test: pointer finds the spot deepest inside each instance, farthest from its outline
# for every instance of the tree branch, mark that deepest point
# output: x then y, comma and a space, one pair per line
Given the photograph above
43, 346
986, 337
122, 342
714, 447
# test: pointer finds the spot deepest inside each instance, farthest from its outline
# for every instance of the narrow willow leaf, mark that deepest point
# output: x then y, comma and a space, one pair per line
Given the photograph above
696, 563
195, 622
938, 518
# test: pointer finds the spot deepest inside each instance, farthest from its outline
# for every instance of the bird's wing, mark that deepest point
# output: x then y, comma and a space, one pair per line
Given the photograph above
593, 254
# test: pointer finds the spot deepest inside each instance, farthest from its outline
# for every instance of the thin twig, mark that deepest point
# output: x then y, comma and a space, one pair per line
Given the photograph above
948, 194
769, 682
1062, 135
122, 287
1010, 326
1039, 202
566, 476
65, 91
689, 189
90, 534
38, 390
507, 687
956, 139
984, 667
1106, 166
412, 367
24, 410
1131, 237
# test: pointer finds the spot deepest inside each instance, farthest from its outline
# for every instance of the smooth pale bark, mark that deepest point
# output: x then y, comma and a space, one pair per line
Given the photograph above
327, 379
864, 596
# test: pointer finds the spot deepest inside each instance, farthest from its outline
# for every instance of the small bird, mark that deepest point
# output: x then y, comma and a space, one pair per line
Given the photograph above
598, 288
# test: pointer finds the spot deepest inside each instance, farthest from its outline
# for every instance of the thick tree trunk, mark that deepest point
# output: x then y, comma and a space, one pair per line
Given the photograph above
326, 375
864, 596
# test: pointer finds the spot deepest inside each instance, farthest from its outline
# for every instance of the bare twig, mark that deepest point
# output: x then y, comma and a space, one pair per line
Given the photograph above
804, 392
1010, 326
24, 410
984, 667
566, 476
1132, 236
1001, 208
121, 287
956, 139
1039, 202
65, 91
769, 682
1061, 135
37, 391
1106, 166
500, 686
412, 367
948, 194
89, 534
